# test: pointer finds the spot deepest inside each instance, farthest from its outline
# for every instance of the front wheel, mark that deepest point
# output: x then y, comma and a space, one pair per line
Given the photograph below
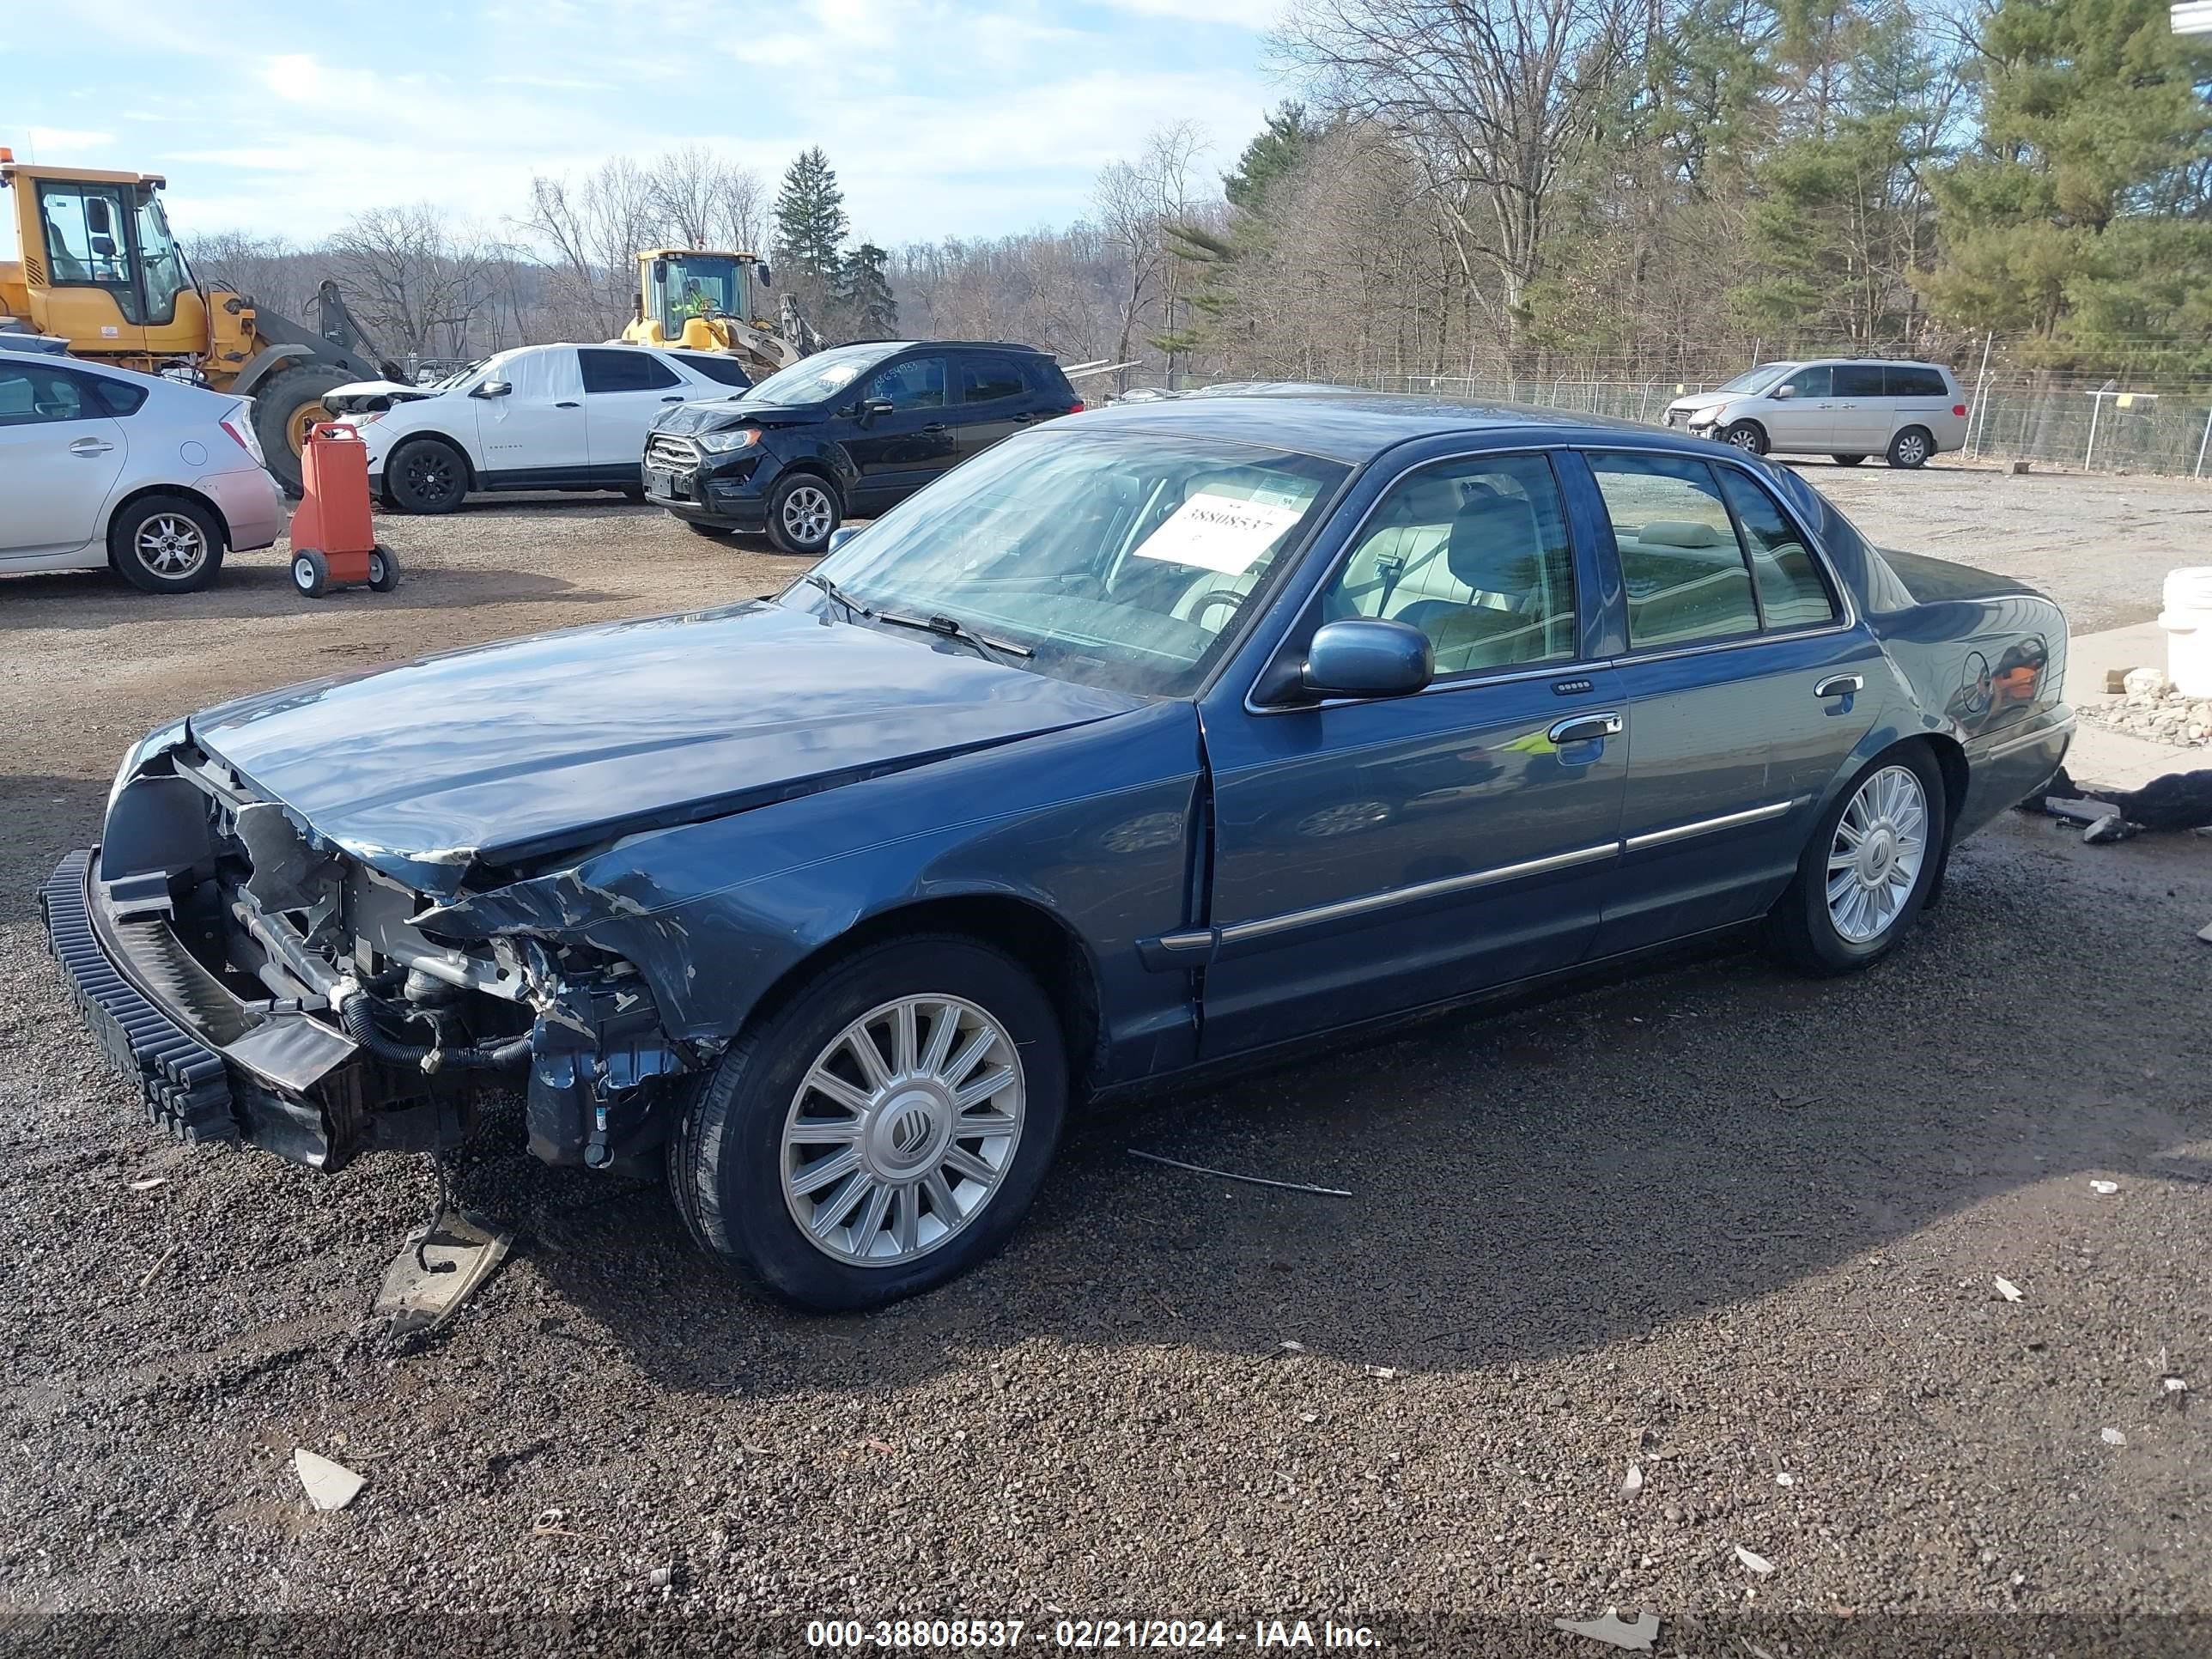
1911, 448
426, 475
1747, 436
1867, 870
311, 573
882, 1131
802, 511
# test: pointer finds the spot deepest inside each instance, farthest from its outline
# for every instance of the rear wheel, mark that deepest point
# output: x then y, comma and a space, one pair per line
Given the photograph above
383, 569
1910, 448
285, 406
880, 1132
1747, 436
1868, 869
426, 475
802, 511
1847, 461
166, 545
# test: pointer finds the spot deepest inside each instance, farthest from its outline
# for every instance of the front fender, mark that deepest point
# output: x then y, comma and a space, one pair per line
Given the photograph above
1092, 825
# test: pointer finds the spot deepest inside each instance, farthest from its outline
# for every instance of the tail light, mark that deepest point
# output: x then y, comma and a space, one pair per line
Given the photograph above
1958, 408
1077, 409
241, 431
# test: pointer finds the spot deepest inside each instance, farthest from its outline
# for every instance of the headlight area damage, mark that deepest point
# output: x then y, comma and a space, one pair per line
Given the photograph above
260, 984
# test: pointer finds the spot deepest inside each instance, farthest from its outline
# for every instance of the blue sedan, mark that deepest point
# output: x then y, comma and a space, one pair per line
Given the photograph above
1160, 740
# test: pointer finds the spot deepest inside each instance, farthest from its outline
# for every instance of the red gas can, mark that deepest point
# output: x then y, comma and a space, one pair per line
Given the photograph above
333, 543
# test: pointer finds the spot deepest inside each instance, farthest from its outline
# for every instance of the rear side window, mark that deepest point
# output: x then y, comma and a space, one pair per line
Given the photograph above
32, 395
728, 370
1859, 380
1904, 381
1790, 591
987, 379
1684, 572
609, 369
115, 397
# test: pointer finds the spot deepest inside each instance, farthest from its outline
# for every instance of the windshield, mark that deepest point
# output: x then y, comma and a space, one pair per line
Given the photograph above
1121, 559
699, 285
823, 375
459, 375
1757, 379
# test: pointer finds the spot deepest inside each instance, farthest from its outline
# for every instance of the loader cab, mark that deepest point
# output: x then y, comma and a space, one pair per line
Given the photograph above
681, 283
100, 265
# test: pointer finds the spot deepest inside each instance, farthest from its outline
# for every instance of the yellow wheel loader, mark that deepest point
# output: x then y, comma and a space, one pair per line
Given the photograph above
709, 299
99, 270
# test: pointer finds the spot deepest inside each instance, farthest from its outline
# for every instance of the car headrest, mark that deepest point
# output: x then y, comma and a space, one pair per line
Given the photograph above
1679, 533
1495, 544
1429, 499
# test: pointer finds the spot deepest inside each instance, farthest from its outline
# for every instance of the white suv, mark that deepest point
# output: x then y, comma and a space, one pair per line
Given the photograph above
1848, 408
103, 466
536, 417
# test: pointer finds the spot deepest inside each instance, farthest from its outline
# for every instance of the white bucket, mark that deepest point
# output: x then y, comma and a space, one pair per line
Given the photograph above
2187, 620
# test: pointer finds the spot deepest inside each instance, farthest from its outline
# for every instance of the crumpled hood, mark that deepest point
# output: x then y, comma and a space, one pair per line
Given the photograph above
716, 414
513, 752
1699, 401
359, 397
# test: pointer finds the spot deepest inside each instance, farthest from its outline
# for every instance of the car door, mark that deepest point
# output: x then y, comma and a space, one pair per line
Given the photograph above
1804, 422
535, 432
61, 455
625, 391
1375, 855
995, 402
1864, 409
902, 434
1748, 684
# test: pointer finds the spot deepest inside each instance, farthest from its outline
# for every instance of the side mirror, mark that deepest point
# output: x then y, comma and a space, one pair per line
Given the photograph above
661, 271
763, 276
1784, 392
103, 247
97, 219
872, 407
1368, 657
493, 389
840, 535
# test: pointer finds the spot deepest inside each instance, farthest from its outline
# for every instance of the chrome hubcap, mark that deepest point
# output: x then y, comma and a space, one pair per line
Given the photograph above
1745, 440
170, 544
902, 1130
806, 513
1880, 843
1911, 450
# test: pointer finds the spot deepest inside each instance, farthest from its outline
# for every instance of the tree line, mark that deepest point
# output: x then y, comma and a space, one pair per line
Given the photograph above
1484, 188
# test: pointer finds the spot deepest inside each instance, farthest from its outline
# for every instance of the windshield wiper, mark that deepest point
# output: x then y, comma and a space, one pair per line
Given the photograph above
853, 606
952, 628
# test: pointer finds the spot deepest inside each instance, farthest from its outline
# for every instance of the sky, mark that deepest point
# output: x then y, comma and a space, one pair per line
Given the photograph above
965, 119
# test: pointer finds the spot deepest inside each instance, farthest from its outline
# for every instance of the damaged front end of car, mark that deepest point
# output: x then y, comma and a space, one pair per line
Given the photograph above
262, 983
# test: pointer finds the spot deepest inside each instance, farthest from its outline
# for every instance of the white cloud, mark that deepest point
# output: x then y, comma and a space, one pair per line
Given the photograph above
65, 143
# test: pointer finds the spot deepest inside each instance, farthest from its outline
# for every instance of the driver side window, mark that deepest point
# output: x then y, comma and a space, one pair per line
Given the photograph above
917, 384
1473, 553
1810, 382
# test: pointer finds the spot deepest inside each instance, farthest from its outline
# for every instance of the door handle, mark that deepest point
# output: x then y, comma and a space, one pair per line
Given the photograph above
568, 405
934, 426
1585, 728
90, 446
1023, 420
1840, 685
673, 397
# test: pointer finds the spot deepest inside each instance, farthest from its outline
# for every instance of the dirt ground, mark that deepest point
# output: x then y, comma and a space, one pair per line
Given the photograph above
1738, 1231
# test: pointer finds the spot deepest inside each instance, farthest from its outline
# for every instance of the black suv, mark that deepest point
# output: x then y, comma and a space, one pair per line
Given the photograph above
847, 433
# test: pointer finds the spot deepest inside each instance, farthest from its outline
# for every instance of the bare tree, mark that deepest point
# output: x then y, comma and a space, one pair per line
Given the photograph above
703, 200
267, 269
417, 279
592, 229
1136, 205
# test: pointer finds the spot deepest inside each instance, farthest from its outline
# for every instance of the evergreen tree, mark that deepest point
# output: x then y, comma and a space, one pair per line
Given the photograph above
865, 300
810, 218
2081, 216
1280, 145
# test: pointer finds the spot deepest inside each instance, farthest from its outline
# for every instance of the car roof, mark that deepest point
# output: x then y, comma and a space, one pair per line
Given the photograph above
1347, 424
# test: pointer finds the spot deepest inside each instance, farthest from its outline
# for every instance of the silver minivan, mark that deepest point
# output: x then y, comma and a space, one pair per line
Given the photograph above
103, 466
1848, 408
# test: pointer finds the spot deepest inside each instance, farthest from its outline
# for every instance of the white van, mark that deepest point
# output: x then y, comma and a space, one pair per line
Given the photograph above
1848, 408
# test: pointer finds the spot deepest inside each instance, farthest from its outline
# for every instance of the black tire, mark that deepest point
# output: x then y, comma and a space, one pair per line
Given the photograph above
1800, 930
1747, 435
383, 569
1847, 461
726, 1148
278, 403
1911, 448
310, 572
698, 529
426, 475
166, 545
806, 498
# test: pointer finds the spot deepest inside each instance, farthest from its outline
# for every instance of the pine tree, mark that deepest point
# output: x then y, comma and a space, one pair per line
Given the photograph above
810, 218
864, 293
2081, 216
1280, 146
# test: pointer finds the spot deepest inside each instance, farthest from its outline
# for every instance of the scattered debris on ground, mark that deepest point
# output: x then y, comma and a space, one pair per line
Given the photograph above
2150, 707
329, 1486
1635, 1635
2177, 800
2114, 1437
2008, 1289
1633, 1482
1757, 1564
2107, 1188
441, 1265
1231, 1174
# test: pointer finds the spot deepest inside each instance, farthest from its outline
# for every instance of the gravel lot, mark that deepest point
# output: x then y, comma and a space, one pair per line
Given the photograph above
1721, 1225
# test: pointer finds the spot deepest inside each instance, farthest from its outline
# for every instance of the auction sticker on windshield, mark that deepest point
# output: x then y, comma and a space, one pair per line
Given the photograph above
1219, 532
